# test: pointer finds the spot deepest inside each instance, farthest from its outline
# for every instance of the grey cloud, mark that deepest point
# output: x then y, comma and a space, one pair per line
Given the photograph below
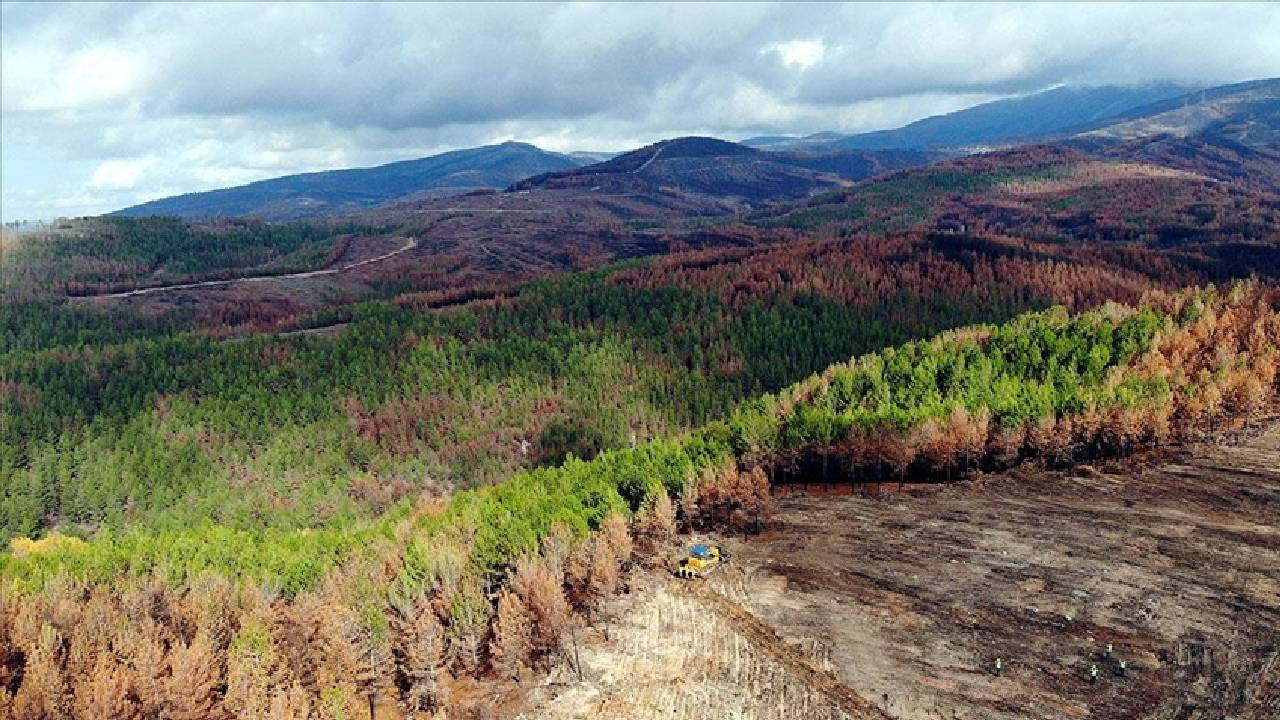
191, 95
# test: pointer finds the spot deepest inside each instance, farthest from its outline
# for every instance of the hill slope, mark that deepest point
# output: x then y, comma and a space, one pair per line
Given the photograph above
1230, 133
869, 586
339, 191
713, 167
1166, 193
417, 573
1246, 113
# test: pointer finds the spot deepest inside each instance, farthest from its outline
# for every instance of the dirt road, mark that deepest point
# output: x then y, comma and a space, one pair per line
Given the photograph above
409, 244
649, 162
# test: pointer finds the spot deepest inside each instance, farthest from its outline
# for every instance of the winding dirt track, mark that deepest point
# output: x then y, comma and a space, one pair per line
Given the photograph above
649, 162
410, 243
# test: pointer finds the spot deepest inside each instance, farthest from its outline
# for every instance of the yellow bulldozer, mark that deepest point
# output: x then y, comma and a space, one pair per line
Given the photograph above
702, 559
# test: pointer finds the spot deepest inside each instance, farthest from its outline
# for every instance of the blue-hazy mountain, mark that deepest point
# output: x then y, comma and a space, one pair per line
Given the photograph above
338, 191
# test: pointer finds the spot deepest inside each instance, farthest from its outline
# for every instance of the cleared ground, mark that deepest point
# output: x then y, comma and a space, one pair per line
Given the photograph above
907, 599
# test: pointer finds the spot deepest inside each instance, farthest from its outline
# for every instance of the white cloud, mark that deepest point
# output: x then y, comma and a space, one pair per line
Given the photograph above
798, 54
121, 103
118, 174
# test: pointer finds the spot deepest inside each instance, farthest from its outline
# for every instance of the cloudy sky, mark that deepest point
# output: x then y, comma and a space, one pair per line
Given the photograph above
108, 105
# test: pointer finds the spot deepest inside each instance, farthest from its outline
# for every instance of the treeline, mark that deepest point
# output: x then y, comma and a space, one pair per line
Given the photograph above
488, 586
994, 275
28, 326
443, 608
1044, 387
154, 425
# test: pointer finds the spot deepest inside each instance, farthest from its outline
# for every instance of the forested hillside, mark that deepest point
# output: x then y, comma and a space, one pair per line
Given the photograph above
967, 407
400, 608
1062, 196
118, 419
414, 500
95, 255
184, 426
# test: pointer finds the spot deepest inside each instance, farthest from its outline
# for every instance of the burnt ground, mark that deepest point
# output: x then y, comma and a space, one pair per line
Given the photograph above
1174, 559
897, 604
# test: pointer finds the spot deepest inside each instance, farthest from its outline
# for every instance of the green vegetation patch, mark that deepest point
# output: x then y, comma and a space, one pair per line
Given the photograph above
1036, 365
108, 252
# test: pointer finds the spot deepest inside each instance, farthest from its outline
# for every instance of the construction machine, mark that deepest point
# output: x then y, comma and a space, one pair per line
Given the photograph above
702, 559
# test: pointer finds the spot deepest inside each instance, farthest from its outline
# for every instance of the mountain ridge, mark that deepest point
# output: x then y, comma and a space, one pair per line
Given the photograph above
1235, 125
331, 192
1067, 112
715, 167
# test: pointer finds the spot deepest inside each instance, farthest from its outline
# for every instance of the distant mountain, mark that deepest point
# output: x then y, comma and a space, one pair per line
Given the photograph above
587, 157
1229, 133
729, 171
341, 191
1001, 122
1247, 113
665, 152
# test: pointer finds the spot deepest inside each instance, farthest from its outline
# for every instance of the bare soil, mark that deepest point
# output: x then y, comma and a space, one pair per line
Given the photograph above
674, 651
898, 604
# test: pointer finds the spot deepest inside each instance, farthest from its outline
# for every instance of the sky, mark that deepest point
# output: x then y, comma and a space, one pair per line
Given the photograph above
106, 105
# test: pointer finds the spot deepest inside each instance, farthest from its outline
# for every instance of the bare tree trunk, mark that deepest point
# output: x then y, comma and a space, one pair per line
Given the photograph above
577, 659
372, 666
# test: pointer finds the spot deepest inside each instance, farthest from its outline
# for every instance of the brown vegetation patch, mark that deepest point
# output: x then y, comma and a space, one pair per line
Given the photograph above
1078, 175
